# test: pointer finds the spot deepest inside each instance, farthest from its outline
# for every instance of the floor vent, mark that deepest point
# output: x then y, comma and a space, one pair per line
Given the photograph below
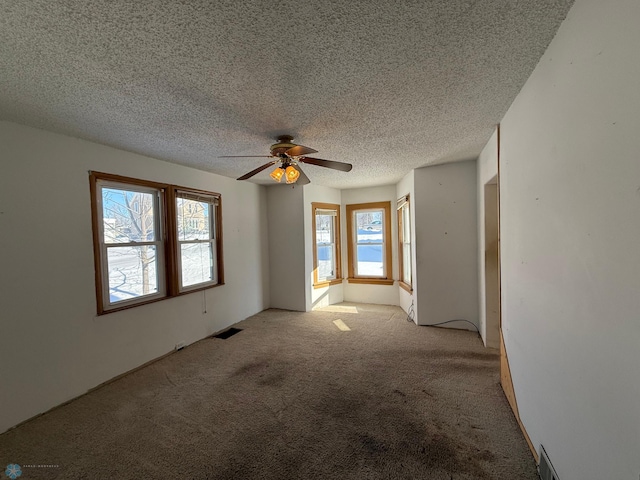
545, 469
228, 333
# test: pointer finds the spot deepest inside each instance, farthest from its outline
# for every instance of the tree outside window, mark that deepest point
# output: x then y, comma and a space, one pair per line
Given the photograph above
152, 240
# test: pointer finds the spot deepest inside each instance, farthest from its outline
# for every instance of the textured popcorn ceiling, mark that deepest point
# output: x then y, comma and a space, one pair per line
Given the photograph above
385, 85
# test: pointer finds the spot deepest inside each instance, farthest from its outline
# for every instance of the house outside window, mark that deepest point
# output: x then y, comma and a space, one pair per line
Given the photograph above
152, 240
196, 237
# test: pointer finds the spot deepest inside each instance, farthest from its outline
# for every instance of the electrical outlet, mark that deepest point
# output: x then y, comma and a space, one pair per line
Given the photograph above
180, 345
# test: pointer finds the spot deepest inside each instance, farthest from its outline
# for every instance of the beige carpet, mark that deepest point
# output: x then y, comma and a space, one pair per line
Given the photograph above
292, 396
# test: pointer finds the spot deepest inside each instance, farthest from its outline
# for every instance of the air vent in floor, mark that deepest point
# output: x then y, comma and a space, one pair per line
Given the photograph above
228, 333
545, 469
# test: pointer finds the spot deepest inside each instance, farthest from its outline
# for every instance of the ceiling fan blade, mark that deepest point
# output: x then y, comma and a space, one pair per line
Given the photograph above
245, 156
302, 179
343, 167
258, 170
300, 150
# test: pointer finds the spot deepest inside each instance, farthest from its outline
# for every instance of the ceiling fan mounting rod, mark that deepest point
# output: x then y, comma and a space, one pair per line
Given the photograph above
284, 144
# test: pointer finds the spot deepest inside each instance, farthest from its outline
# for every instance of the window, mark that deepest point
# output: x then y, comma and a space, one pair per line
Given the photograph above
152, 241
326, 244
369, 243
130, 243
404, 243
196, 237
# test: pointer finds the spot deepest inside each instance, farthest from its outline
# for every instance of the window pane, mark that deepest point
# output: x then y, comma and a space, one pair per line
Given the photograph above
406, 245
132, 272
406, 263
325, 263
324, 229
406, 224
193, 220
369, 261
128, 216
197, 263
369, 226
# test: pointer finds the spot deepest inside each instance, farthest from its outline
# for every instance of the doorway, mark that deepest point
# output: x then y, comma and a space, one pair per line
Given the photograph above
491, 263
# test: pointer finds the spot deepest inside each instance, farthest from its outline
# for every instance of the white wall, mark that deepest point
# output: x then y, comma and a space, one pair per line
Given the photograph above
286, 247
570, 232
364, 293
319, 297
54, 347
406, 187
487, 170
446, 244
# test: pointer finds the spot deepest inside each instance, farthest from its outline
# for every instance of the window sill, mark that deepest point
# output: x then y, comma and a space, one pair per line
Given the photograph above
337, 281
405, 286
371, 281
119, 308
154, 300
198, 289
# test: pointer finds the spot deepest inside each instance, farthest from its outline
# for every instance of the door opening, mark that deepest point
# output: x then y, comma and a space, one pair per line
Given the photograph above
491, 264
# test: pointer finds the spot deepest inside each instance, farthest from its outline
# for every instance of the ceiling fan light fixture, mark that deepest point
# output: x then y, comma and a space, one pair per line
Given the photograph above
291, 174
277, 174
287, 155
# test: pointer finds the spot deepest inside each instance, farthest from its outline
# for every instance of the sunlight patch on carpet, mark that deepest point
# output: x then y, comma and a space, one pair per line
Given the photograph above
341, 325
339, 309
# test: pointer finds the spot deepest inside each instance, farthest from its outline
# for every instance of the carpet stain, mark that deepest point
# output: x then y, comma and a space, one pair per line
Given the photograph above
482, 356
269, 373
486, 456
252, 368
275, 379
372, 445
389, 401
441, 454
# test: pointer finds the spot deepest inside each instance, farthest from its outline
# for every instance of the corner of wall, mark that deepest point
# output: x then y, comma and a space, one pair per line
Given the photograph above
446, 221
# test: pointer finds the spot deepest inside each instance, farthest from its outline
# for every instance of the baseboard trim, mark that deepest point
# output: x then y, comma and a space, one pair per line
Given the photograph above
507, 387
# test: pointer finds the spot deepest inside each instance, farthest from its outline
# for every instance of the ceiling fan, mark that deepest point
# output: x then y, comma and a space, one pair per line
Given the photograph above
288, 156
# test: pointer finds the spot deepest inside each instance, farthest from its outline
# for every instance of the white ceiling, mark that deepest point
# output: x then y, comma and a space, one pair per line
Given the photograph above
385, 85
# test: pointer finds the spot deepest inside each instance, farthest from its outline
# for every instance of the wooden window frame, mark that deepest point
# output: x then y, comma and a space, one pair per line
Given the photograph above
402, 202
387, 279
102, 247
214, 199
167, 225
338, 253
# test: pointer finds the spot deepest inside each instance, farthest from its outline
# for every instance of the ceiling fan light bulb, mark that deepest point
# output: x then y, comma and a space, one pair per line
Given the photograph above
277, 174
292, 174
